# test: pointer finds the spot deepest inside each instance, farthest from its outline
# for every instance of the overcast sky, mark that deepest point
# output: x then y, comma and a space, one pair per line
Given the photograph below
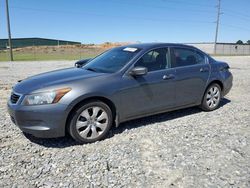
97, 21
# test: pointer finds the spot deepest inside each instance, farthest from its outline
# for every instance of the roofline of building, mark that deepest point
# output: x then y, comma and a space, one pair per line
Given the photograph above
41, 38
231, 43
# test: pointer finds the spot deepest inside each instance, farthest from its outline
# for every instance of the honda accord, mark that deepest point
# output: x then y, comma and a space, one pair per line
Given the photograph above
118, 85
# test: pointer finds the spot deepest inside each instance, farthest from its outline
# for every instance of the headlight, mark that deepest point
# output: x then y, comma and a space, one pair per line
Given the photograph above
45, 97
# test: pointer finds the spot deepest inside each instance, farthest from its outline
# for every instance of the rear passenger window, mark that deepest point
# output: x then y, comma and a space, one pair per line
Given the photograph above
185, 57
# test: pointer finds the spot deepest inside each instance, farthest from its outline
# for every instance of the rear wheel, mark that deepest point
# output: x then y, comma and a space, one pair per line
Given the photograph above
90, 122
212, 97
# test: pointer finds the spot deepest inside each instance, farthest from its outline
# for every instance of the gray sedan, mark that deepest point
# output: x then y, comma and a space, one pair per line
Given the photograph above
121, 84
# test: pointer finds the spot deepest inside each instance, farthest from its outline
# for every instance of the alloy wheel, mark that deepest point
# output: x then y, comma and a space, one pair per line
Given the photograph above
92, 122
213, 97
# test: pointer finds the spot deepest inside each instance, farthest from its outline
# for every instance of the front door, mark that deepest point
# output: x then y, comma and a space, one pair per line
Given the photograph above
152, 92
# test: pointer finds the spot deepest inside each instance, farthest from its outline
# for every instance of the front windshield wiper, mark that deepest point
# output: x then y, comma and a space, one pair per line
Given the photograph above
91, 69
97, 70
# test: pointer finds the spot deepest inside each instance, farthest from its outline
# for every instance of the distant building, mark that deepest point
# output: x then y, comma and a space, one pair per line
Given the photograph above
224, 48
24, 42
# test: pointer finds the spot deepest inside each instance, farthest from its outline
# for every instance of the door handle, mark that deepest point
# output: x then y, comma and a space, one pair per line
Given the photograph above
203, 70
168, 77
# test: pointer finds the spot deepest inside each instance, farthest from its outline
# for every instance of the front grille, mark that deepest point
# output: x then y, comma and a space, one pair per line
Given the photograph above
14, 98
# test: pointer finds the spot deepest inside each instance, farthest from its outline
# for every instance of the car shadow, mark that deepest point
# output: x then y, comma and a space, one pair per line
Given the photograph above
67, 141
159, 118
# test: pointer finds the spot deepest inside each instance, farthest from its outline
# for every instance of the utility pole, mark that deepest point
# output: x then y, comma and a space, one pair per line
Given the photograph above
9, 32
217, 26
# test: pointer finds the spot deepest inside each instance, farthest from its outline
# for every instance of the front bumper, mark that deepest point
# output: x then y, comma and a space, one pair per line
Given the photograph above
44, 121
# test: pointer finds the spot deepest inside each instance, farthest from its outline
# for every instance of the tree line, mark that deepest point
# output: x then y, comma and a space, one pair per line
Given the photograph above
241, 42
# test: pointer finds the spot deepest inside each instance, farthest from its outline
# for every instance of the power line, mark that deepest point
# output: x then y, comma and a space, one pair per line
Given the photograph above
238, 13
238, 16
149, 18
189, 3
165, 7
158, 7
120, 16
236, 27
234, 13
165, 1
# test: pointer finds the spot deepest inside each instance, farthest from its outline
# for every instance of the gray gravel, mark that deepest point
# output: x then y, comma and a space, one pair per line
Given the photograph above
185, 148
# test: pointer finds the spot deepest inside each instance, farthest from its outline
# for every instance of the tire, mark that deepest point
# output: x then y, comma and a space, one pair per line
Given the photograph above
211, 98
90, 122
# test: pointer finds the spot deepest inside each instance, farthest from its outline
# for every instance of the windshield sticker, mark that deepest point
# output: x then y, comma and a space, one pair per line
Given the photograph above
130, 49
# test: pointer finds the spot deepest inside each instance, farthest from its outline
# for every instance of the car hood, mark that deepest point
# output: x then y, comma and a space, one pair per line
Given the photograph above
54, 78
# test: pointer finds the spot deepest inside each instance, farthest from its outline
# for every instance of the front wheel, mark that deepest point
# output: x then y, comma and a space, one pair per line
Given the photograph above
90, 122
211, 98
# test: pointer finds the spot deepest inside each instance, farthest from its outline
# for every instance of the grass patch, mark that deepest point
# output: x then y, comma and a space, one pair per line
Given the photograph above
39, 53
26, 56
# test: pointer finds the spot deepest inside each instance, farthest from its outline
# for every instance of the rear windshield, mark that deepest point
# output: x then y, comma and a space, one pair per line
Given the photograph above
112, 60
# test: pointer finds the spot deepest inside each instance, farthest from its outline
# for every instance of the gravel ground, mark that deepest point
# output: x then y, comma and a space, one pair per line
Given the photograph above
185, 148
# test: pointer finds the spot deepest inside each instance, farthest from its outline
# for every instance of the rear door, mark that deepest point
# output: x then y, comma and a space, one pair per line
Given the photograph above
192, 73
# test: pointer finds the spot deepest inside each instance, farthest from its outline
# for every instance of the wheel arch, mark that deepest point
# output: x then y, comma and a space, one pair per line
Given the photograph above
210, 83
220, 83
105, 100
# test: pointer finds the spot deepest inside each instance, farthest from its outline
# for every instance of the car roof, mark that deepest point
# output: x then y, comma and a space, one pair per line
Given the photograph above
146, 46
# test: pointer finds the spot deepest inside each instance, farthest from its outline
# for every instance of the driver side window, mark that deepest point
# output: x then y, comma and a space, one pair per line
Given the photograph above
154, 60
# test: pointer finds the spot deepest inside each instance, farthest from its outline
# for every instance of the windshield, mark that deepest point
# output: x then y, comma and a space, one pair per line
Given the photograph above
112, 60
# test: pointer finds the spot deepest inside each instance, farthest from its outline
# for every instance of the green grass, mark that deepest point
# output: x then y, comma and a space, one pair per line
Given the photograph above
20, 56
58, 55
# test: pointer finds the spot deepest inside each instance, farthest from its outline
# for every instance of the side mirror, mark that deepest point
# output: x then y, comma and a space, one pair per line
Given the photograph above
138, 71
82, 62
